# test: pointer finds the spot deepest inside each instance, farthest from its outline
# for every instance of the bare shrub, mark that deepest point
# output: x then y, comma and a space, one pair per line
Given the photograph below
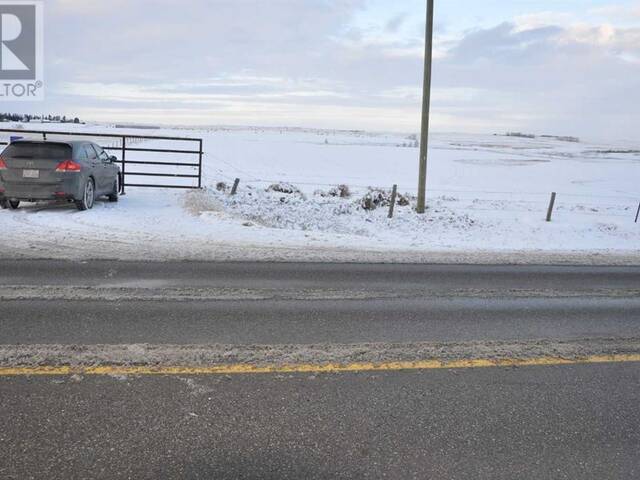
341, 191
403, 200
284, 188
376, 197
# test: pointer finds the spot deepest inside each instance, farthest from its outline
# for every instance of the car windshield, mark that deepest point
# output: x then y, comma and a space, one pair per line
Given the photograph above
38, 151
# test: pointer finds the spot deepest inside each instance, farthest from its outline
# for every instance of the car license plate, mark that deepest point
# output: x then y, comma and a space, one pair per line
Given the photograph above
31, 174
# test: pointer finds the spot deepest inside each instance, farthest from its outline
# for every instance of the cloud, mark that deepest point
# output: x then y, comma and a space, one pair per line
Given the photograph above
537, 20
579, 79
504, 43
291, 61
166, 39
394, 25
618, 12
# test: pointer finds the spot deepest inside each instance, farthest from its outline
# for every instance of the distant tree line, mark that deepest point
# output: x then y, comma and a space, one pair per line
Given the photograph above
554, 137
19, 117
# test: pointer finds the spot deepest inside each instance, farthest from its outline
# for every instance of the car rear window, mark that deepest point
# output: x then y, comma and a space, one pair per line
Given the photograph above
38, 151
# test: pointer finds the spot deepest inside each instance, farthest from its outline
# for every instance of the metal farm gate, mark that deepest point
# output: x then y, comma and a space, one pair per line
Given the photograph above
134, 160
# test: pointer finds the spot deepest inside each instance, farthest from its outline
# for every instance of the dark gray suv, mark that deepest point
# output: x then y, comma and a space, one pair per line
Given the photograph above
78, 172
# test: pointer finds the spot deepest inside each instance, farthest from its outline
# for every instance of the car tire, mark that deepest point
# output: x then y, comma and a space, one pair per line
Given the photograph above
88, 196
4, 204
14, 204
113, 197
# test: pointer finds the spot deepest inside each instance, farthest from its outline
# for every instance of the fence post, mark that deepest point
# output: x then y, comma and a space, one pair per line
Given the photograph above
124, 153
638, 213
551, 204
235, 186
200, 166
392, 206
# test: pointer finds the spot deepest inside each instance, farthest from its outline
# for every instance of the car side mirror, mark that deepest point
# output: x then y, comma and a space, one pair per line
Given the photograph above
113, 159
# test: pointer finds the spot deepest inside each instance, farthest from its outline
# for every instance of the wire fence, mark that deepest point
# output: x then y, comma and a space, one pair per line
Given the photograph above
478, 200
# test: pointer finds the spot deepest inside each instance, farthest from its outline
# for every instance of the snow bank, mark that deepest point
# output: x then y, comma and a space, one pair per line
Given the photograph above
310, 195
269, 209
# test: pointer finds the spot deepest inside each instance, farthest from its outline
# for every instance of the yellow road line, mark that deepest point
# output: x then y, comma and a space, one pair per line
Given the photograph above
314, 368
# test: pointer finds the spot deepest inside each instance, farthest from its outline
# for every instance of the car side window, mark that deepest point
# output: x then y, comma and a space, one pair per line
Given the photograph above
102, 155
91, 153
82, 154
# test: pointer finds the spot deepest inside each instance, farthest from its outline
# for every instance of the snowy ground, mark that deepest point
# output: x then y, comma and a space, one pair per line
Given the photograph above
487, 202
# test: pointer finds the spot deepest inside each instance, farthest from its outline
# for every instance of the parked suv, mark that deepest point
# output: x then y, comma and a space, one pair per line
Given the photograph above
78, 172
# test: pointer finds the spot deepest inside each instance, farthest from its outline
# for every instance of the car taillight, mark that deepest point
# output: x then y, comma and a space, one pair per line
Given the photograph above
3, 166
68, 166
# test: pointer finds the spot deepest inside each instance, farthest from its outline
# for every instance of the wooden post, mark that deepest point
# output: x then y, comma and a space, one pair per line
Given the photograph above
638, 213
235, 186
551, 204
394, 194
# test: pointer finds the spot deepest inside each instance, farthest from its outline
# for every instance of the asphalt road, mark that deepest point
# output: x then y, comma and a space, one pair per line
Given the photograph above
571, 422
556, 422
251, 274
200, 303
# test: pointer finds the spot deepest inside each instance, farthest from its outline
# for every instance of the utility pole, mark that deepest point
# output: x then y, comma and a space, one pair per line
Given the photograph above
426, 105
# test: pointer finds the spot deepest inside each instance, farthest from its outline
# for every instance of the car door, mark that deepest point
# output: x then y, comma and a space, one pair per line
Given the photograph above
110, 169
95, 167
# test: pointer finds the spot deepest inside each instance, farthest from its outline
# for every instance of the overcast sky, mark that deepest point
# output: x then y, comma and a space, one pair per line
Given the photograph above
546, 66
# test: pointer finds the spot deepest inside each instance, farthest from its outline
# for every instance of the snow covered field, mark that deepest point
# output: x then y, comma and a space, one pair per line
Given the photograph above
487, 201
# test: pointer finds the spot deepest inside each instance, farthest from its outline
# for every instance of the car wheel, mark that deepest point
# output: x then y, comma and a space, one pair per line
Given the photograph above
88, 197
14, 204
4, 203
113, 196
